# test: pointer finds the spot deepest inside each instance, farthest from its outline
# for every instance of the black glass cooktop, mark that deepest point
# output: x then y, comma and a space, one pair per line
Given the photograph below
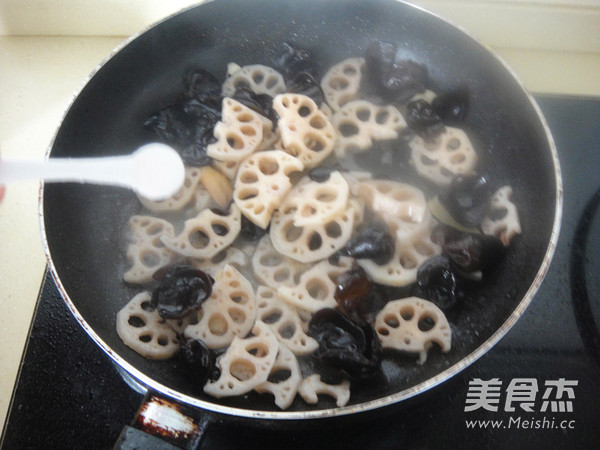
538, 388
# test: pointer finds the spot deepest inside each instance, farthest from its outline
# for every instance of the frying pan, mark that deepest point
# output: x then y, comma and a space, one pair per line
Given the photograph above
83, 226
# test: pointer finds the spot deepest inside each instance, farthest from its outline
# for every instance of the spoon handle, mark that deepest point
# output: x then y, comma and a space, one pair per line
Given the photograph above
155, 171
114, 170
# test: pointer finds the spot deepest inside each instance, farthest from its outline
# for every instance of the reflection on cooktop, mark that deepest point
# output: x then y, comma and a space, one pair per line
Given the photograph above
585, 275
544, 374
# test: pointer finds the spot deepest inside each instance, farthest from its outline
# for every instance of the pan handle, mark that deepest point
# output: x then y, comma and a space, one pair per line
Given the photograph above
164, 424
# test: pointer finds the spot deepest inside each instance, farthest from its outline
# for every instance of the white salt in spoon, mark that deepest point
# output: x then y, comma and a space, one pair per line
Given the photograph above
155, 171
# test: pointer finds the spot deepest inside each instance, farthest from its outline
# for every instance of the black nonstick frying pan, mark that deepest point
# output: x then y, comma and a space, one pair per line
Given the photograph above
84, 225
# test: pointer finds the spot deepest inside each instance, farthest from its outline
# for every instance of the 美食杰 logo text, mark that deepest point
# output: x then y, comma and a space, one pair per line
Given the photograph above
531, 404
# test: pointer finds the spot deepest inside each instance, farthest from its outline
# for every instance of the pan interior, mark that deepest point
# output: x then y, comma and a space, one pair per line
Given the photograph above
84, 225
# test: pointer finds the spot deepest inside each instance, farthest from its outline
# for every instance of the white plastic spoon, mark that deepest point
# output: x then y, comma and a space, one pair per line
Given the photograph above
155, 171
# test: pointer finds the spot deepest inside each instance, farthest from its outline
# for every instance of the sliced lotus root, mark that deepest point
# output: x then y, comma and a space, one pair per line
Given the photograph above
502, 218
146, 252
327, 111
406, 231
179, 325
261, 79
341, 83
402, 269
274, 269
413, 325
311, 386
284, 321
246, 364
401, 206
227, 168
316, 287
315, 242
262, 182
229, 312
284, 378
239, 133
306, 133
191, 193
270, 139
354, 178
206, 234
230, 255
360, 122
394, 199
142, 329
358, 205
316, 202
450, 154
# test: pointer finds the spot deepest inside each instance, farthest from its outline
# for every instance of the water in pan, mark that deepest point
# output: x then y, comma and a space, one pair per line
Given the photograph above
488, 112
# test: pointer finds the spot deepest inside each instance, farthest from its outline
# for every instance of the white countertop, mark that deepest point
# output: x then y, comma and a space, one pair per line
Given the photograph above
39, 75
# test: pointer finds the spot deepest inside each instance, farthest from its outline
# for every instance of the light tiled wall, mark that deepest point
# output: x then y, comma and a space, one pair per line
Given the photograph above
552, 25
83, 17
554, 45
566, 25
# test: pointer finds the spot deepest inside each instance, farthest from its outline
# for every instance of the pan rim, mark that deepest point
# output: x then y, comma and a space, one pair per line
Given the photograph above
388, 400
